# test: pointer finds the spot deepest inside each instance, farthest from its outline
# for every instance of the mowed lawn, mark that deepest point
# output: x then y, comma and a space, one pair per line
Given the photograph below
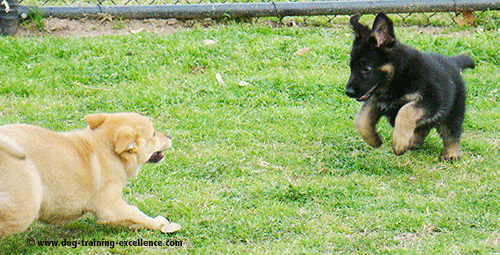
265, 155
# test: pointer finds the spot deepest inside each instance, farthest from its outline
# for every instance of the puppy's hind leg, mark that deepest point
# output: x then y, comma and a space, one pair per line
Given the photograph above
20, 194
407, 135
451, 150
451, 128
365, 122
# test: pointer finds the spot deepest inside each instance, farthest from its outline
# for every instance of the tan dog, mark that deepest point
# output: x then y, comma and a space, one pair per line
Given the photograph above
57, 177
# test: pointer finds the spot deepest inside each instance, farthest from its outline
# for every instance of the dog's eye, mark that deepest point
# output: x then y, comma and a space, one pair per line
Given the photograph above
366, 69
154, 134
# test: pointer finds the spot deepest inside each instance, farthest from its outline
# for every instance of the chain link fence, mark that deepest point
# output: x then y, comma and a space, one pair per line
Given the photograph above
422, 12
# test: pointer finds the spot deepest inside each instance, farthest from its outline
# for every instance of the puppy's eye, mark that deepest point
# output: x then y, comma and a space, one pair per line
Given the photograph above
154, 134
366, 69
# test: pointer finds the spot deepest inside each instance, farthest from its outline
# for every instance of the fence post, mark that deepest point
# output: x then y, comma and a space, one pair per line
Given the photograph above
9, 17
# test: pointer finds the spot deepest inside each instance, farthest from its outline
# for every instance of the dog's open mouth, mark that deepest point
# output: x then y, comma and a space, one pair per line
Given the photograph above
368, 94
156, 157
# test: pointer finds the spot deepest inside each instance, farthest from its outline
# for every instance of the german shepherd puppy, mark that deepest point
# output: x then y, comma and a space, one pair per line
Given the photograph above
416, 91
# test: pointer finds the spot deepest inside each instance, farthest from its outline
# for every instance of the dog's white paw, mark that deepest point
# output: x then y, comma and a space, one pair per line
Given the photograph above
167, 227
171, 227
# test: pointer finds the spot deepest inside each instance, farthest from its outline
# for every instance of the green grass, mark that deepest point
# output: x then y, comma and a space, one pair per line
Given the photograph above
272, 167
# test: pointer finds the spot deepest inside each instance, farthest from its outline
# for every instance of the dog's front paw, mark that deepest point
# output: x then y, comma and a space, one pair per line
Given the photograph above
400, 149
401, 144
167, 227
171, 227
374, 141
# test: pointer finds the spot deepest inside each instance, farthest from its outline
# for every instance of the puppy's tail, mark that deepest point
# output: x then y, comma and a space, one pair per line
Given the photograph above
11, 147
464, 61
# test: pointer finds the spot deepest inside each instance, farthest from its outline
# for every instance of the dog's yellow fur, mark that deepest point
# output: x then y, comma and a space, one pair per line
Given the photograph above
57, 177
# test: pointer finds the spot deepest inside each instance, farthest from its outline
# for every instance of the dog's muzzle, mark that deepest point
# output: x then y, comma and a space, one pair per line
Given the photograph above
368, 94
156, 157
350, 92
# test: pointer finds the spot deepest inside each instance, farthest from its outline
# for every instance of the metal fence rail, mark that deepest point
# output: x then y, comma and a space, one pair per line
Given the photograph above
263, 9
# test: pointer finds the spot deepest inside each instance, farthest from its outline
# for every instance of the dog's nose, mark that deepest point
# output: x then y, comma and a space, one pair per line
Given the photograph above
349, 87
350, 92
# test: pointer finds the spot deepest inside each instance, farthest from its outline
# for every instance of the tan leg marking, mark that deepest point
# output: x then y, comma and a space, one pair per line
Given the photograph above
451, 150
365, 123
403, 136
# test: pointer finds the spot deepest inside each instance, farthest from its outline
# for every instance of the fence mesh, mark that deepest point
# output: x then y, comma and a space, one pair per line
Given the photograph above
438, 18
151, 2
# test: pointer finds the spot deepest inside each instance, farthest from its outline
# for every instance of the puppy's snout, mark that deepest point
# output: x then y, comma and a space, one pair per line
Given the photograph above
350, 91
349, 87
169, 137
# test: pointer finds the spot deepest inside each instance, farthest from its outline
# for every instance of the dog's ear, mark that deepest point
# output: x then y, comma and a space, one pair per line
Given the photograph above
125, 140
95, 120
383, 31
359, 29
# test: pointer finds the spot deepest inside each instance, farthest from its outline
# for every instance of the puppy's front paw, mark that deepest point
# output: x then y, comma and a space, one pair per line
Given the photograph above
167, 227
374, 141
400, 149
400, 144
171, 227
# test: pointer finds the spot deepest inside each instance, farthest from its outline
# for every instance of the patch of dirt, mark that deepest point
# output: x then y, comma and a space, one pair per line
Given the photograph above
105, 26
108, 25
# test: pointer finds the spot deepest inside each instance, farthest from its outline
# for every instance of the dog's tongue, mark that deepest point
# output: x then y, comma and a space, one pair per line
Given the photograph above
156, 157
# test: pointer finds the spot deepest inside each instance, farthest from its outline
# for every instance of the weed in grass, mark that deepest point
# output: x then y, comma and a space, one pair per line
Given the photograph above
35, 18
119, 23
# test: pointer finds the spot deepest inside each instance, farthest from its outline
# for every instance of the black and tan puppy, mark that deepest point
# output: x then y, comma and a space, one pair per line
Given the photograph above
416, 91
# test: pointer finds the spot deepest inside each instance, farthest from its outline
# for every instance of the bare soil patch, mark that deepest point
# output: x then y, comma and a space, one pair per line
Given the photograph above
108, 25
105, 26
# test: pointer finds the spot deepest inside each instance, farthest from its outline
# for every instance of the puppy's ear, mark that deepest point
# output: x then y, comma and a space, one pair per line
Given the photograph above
383, 31
125, 140
95, 120
359, 29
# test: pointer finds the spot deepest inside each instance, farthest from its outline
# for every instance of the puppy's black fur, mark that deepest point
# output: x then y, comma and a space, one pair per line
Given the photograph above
416, 91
